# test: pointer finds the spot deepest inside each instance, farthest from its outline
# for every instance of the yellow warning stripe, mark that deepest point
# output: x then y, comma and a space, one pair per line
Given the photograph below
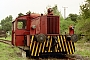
69, 47
39, 48
31, 42
33, 48
55, 48
50, 44
59, 44
47, 41
62, 43
36, 48
72, 47
66, 45
43, 46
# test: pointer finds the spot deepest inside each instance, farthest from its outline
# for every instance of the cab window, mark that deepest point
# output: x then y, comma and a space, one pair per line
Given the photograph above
21, 24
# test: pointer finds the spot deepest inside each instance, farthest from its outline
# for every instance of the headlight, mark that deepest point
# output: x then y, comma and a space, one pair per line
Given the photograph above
33, 27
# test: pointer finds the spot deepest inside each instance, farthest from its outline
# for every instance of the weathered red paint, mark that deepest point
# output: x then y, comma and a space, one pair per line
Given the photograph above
71, 30
44, 24
52, 25
18, 34
35, 24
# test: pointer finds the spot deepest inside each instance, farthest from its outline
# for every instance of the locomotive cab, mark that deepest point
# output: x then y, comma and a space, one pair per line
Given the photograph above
19, 31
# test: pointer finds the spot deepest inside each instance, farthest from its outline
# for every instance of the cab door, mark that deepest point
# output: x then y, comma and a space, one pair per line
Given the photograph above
20, 32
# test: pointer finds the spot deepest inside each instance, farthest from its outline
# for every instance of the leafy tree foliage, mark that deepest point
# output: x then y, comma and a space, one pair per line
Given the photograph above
83, 28
20, 14
6, 23
57, 12
64, 26
83, 25
73, 17
29, 12
85, 9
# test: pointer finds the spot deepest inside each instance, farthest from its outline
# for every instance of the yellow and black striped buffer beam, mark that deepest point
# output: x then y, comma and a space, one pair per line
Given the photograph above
60, 45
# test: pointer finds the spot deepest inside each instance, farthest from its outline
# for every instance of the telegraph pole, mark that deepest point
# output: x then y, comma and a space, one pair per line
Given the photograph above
65, 12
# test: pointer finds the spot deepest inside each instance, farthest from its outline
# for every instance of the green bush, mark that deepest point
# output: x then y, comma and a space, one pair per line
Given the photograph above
64, 25
83, 28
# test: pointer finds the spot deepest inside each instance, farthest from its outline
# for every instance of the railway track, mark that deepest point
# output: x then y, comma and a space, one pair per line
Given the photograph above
5, 41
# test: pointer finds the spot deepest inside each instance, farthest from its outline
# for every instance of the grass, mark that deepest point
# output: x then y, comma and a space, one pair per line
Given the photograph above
83, 48
7, 38
8, 52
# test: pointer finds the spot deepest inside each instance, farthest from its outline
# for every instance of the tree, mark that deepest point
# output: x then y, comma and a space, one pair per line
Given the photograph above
6, 23
83, 26
85, 9
57, 12
73, 17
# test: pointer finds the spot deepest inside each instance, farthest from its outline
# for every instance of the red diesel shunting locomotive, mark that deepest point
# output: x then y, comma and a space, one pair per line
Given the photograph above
40, 34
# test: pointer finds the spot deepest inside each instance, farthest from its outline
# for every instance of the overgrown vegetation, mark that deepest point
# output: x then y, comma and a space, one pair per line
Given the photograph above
64, 25
83, 24
83, 28
8, 52
83, 48
6, 24
7, 38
